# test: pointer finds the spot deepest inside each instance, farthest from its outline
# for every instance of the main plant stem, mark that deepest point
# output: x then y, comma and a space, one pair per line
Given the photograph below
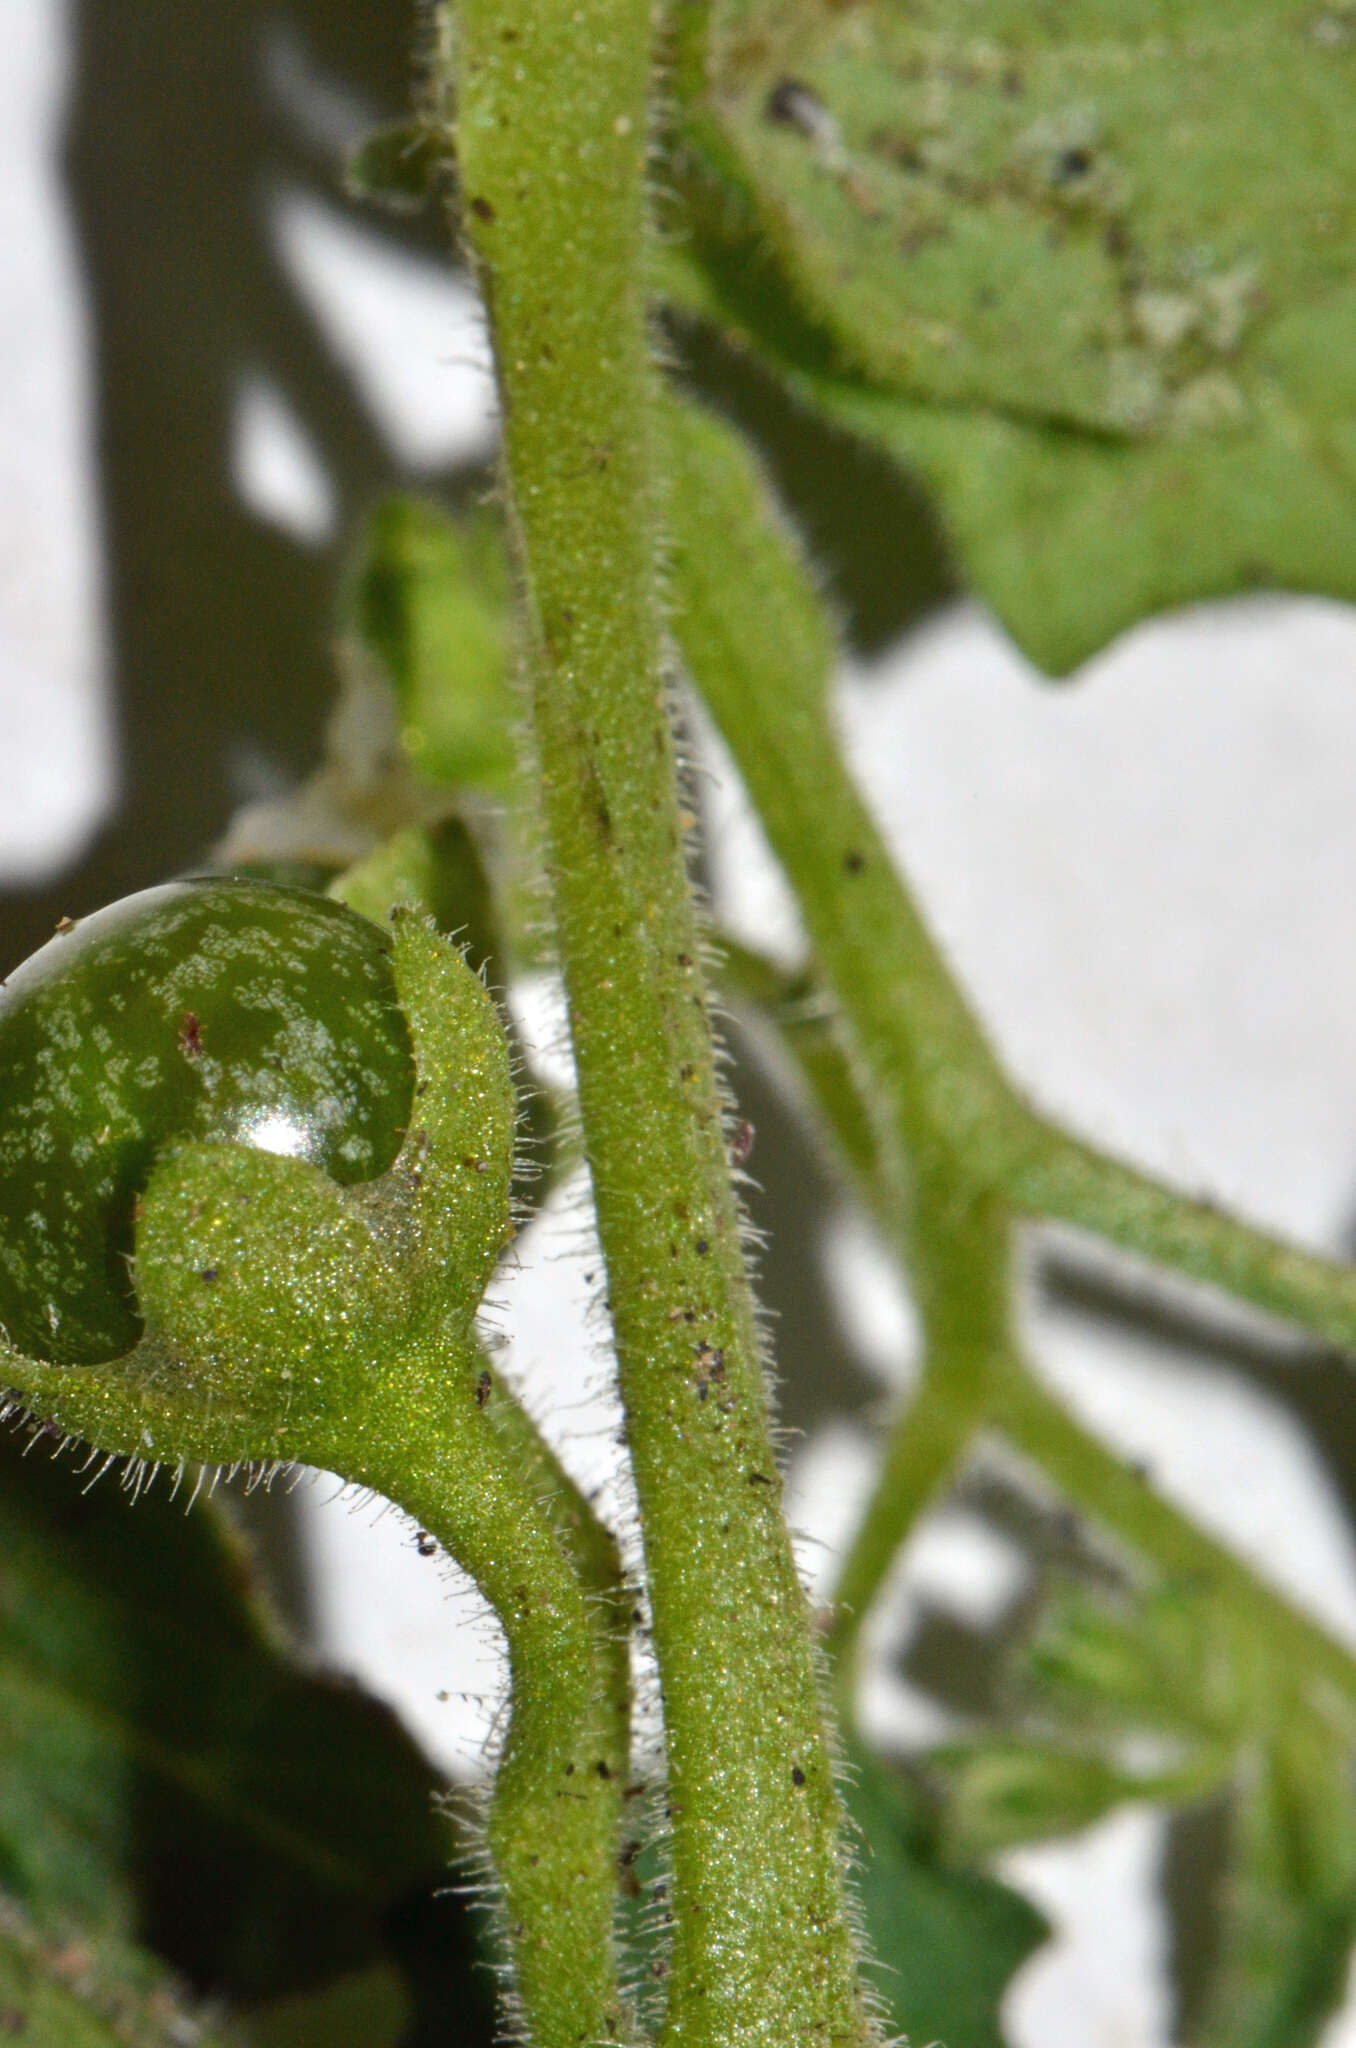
552, 132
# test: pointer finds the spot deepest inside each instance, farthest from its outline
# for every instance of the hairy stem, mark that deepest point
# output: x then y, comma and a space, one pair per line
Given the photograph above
552, 133
802, 1013
753, 632
586, 1542
555, 1815
947, 1120
754, 635
962, 1276
1057, 1176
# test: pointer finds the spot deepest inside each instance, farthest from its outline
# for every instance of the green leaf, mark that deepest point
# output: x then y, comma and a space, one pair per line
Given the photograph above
1114, 1699
1289, 1904
1005, 1792
67, 1993
402, 166
429, 599
1093, 275
948, 1941
169, 1776
1073, 538
1164, 1661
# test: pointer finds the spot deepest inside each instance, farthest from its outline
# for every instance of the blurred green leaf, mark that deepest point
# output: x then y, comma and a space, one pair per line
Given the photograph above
1005, 1792
401, 166
948, 1941
429, 598
1112, 1699
1289, 1897
437, 868
170, 1776
66, 1993
1163, 1662
1093, 276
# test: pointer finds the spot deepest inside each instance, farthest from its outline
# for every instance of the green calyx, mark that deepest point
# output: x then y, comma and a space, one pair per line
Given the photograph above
266, 1282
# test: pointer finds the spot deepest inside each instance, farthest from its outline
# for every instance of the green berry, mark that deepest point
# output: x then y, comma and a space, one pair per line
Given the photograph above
228, 1012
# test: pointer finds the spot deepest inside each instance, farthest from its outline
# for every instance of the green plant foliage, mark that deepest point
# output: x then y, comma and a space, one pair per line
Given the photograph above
428, 597
401, 166
948, 1941
1092, 276
1087, 269
1288, 1905
67, 1993
1160, 1697
170, 1776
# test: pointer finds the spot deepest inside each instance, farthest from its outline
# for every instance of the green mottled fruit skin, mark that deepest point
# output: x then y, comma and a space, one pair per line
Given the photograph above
223, 1011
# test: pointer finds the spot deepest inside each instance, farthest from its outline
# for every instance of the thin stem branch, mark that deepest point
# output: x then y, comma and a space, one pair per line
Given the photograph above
1057, 1176
588, 1544
754, 635
962, 1277
947, 1119
752, 630
804, 1016
554, 1822
552, 130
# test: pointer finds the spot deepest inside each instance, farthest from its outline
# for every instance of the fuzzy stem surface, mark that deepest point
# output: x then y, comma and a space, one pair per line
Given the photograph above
961, 1272
552, 134
554, 1820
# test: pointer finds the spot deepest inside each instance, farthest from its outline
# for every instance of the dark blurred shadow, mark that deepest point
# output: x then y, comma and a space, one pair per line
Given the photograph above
219, 625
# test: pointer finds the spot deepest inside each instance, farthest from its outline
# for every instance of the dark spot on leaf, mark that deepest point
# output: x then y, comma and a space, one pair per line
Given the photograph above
208, 1275
797, 1775
790, 104
854, 861
1069, 165
190, 1035
481, 208
702, 1247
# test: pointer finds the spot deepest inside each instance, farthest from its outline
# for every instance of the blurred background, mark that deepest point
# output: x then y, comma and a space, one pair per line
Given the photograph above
213, 363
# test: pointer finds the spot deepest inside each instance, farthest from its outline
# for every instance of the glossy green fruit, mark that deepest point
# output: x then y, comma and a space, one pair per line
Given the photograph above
232, 1012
